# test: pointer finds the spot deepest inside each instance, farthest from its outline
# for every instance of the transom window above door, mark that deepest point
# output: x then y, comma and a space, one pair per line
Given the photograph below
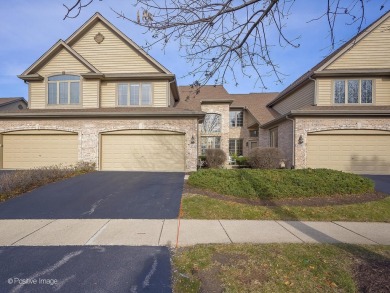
134, 94
353, 91
63, 89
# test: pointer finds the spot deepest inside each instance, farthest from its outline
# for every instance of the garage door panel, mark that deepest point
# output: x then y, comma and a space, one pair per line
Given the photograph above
143, 152
363, 154
32, 151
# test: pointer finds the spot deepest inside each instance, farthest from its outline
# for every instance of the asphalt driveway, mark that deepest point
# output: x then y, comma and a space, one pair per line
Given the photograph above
101, 195
382, 182
85, 269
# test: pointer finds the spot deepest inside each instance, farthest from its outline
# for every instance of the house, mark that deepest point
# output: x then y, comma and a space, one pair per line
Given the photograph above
337, 115
11, 104
232, 120
98, 97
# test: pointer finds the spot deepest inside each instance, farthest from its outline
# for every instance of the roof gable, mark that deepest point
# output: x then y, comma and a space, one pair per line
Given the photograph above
123, 53
52, 53
305, 78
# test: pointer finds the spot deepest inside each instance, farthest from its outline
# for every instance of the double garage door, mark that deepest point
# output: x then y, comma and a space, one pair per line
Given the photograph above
356, 151
121, 150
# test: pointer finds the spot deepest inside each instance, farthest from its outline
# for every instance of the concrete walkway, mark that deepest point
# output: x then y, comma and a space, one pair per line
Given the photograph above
164, 232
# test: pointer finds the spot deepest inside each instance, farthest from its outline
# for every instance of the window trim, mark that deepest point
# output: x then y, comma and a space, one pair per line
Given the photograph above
360, 90
271, 141
235, 119
80, 103
128, 93
235, 146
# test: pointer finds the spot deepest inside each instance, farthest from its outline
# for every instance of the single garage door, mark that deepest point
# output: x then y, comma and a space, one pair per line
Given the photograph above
142, 150
31, 149
356, 151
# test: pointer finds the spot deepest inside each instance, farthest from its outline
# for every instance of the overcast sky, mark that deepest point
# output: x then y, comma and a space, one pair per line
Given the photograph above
30, 28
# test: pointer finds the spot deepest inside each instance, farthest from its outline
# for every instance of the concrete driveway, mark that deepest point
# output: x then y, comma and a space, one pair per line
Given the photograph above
382, 182
101, 195
85, 269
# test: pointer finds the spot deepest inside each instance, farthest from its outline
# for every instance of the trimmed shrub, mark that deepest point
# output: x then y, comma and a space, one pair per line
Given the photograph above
265, 158
13, 183
241, 161
215, 158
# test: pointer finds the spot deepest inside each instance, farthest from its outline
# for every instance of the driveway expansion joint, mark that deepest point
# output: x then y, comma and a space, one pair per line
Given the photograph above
162, 227
278, 222
97, 233
225, 231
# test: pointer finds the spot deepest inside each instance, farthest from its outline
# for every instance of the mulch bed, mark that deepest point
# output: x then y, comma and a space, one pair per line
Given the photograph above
372, 275
309, 202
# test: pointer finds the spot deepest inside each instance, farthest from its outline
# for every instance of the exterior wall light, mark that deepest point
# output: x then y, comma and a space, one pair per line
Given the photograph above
300, 139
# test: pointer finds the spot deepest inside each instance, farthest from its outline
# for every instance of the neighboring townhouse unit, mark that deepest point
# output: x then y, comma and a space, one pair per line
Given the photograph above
337, 115
232, 120
98, 97
11, 104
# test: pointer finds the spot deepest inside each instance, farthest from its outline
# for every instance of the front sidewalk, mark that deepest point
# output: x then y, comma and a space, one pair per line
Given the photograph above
191, 232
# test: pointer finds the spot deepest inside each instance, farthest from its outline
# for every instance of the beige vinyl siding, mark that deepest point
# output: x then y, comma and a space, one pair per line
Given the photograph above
24, 150
113, 55
90, 93
381, 92
358, 151
108, 95
373, 51
63, 61
37, 98
300, 98
324, 92
160, 91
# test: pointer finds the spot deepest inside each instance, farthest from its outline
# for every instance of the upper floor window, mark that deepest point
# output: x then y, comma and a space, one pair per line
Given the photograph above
211, 123
253, 133
273, 137
236, 118
134, 94
63, 89
353, 91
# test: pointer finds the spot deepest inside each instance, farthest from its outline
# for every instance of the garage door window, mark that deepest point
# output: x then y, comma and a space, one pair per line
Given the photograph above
134, 94
63, 90
353, 91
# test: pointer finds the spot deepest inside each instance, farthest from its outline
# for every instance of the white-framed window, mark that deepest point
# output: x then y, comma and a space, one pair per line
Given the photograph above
209, 142
135, 94
273, 137
353, 91
236, 118
235, 147
211, 123
63, 89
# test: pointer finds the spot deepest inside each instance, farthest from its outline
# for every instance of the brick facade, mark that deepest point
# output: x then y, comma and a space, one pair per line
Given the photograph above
89, 131
303, 126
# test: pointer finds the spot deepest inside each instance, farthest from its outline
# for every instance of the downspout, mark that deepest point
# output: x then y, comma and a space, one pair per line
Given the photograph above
293, 142
315, 90
169, 90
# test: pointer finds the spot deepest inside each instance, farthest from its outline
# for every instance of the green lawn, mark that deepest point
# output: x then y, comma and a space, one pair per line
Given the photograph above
277, 268
203, 207
276, 184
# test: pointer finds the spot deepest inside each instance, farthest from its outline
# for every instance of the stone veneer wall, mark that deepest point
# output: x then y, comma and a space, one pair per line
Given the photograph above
90, 129
223, 110
303, 126
285, 140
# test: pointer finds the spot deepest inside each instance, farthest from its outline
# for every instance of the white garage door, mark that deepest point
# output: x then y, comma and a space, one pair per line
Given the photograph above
32, 149
142, 151
357, 151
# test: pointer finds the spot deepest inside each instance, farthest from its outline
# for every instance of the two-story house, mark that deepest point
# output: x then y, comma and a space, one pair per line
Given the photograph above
98, 97
337, 115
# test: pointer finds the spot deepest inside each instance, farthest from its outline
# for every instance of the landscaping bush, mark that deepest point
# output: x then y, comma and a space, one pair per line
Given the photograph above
241, 161
265, 158
215, 158
269, 184
20, 181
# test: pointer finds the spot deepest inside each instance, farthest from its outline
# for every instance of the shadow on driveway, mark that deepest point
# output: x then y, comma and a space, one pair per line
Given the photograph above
101, 195
382, 182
